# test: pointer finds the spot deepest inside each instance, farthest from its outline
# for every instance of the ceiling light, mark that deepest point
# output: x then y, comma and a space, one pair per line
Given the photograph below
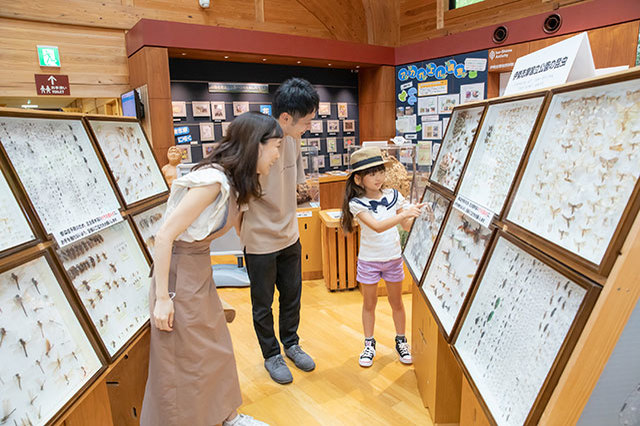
183, 54
357, 66
264, 59
28, 106
299, 62
226, 57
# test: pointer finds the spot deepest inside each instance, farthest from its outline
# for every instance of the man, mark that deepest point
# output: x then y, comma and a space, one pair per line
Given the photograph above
270, 235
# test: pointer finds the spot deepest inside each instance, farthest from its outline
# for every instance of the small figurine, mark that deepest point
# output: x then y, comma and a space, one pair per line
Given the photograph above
170, 171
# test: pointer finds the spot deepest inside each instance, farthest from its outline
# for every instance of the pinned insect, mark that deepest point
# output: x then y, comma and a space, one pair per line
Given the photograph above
19, 301
14, 277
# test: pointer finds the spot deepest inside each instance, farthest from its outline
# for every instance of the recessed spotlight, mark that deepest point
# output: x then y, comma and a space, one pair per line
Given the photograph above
329, 64
299, 62
226, 57
357, 66
183, 54
29, 106
264, 59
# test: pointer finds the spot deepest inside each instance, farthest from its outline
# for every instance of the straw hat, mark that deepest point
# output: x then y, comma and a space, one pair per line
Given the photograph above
365, 158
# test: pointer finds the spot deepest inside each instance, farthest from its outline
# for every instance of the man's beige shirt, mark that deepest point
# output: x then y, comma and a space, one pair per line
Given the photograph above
270, 224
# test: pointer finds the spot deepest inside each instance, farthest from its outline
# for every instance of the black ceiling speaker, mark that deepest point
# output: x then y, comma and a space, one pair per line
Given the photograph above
552, 23
500, 34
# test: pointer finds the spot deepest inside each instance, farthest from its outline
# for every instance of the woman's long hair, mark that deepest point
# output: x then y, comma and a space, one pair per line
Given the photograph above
237, 152
353, 190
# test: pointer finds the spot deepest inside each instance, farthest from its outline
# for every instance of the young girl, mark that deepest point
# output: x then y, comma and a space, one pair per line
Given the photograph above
377, 211
192, 371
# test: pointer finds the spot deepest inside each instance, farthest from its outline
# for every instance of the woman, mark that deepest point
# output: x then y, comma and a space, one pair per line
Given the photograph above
192, 372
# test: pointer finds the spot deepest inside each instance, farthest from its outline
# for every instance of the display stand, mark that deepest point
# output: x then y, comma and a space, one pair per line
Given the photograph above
439, 376
339, 252
310, 240
471, 413
332, 191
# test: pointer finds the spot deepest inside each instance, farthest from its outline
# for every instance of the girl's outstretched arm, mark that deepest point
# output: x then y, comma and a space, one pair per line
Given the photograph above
382, 225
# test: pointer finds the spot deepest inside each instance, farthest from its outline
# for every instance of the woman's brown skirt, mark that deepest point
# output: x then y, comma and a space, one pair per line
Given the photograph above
193, 380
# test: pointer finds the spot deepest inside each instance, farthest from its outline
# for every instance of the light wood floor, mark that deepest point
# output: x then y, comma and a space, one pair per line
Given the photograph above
338, 391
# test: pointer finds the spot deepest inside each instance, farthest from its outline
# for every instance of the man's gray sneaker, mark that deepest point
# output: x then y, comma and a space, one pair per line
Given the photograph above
300, 358
278, 369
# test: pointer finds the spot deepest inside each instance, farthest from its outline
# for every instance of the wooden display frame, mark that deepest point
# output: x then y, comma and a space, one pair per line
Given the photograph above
47, 253
449, 336
569, 343
81, 306
458, 108
27, 209
88, 119
546, 97
448, 198
597, 272
11, 112
141, 209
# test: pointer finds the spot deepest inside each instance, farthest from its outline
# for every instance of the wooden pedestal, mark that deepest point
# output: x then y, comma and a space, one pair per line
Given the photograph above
310, 240
332, 191
471, 413
439, 376
339, 251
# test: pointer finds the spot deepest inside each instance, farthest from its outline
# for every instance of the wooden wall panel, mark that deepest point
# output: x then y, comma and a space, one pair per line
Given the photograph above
94, 58
382, 22
94, 409
376, 91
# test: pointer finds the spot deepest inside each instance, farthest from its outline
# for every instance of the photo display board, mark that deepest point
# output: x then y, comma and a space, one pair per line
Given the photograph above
59, 169
45, 355
519, 320
130, 159
111, 277
582, 174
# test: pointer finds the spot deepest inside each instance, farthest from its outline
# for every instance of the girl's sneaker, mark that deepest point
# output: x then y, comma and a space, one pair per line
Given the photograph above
369, 351
402, 347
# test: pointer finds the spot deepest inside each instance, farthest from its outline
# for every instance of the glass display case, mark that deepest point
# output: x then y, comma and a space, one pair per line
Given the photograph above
308, 193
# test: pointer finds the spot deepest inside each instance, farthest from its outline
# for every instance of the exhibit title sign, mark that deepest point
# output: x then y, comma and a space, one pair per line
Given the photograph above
238, 88
48, 56
557, 64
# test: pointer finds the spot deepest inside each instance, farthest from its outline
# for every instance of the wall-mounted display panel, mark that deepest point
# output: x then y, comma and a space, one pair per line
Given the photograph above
424, 231
46, 358
15, 226
501, 143
579, 189
518, 330
456, 259
148, 223
110, 274
455, 146
58, 168
130, 159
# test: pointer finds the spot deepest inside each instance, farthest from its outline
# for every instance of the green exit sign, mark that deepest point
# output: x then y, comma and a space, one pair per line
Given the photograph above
48, 56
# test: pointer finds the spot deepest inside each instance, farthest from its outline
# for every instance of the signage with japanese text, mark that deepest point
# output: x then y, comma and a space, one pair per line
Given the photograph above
52, 84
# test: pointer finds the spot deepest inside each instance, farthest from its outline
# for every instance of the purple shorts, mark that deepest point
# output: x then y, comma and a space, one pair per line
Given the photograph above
371, 272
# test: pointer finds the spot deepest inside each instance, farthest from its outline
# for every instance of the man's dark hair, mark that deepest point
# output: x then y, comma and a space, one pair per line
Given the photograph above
297, 97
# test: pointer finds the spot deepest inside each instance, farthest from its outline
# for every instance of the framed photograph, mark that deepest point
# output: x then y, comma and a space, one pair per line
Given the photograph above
456, 259
179, 109
218, 111
432, 130
423, 153
149, 221
207, 149
206, 132
343, 110
409, 110
265, 109
131, 162
579, 190
16, 228
201, 109
521, 323
314, 142
320, 161
185, 151
428, 105
424, 231
114, 290
502, 140
316, 126
345, 160
471, 92
240, 108
446, 103
455, 147
348, 125
333, 126
224, 126
324, 109
335, 160
349, 141
59, 168
332, 145
41, 332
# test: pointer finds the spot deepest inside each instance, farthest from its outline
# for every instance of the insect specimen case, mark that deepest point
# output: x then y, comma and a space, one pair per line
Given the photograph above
519, 328
455, 147
424, 231
503, 136
110, 275
17, 231
456, 258
148, 222
129, 158
578, 192
46, 358
57, 165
